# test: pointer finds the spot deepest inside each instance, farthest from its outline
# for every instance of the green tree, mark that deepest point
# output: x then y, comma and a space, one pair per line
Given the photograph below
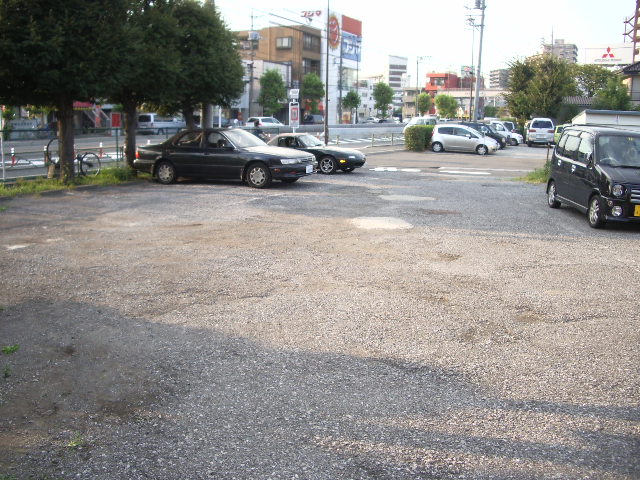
614, 96
54, 52
351, 100
383, 96
151, 33
273, 91
424, 103
312, 89
520, 75
490, 111
447, 106
553, 80
591, 78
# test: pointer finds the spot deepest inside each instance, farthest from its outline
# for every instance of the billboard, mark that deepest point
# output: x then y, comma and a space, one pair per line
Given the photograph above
609, 54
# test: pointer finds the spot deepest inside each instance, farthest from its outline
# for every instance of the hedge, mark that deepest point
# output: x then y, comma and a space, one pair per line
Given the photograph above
418, 137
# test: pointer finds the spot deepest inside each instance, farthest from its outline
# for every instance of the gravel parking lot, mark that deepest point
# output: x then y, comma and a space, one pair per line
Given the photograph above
373, 325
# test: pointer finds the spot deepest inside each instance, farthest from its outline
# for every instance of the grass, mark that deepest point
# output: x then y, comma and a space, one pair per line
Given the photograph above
76, 441
539, 175
108, 176
8, 350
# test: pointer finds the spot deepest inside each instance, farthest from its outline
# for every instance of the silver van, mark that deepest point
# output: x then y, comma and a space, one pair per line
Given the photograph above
156, 124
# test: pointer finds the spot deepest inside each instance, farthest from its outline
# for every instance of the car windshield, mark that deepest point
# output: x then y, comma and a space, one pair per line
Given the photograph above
619, 150
309, 141
243, 139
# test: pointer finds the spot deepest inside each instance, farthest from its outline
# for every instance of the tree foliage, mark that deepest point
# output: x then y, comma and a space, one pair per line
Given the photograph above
273, 91
537, 86
424, 103
382, 96
53, 52
351, 100
614, 96
447, 106
592, 78
312, 90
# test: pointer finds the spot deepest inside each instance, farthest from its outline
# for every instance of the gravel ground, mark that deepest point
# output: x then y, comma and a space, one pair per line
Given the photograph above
357, 326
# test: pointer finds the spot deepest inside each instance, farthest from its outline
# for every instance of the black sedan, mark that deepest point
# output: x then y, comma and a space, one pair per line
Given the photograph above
225, 154
329, 158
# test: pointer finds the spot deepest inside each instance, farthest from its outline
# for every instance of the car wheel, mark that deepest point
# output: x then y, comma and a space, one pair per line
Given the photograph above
327, 165
552, 198
437, 147
348, 169
595, 214
165, 172
258, 176
528, 144
481, 150
514, 142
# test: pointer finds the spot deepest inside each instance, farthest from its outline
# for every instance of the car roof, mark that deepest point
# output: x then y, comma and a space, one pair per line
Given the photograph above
600, 129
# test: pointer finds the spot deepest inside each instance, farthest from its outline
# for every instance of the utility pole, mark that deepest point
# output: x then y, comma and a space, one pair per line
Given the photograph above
251, 34
326, 86
206, 117
480, 5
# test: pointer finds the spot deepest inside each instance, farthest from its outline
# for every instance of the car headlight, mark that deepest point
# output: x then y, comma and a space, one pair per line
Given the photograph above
617, 190
289, 161
352, 157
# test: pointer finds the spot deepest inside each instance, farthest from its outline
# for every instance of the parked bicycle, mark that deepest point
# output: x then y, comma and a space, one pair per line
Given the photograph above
87, 163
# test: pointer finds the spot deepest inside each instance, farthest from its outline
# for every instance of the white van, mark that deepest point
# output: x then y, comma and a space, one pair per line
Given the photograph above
156, 124
420, 121
514, 138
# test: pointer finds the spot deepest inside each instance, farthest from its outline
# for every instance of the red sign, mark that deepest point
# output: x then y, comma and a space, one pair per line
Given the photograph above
116, 120
334, 32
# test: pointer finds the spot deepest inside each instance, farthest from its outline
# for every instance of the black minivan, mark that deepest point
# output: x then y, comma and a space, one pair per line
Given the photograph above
597, 170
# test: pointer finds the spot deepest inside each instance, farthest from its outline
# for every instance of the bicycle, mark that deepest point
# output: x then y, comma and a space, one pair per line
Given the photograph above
84, 164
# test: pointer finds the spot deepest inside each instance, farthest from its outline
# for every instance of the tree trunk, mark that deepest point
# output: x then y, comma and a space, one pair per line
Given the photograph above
130, 127
187, 113
66, 137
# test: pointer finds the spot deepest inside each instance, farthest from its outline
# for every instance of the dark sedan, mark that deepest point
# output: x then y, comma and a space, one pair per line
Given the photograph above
329, 158
225, 154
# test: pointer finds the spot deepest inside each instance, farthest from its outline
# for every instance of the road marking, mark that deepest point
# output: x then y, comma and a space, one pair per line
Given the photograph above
384, 223
457, 172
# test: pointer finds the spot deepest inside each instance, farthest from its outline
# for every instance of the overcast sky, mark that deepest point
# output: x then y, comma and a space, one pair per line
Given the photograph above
439, 29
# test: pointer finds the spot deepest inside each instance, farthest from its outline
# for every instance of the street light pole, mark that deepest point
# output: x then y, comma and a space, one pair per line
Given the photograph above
326, 86
418, 60
481, 5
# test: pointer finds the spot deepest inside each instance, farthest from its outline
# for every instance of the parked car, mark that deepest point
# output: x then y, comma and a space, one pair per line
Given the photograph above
510, 125
420, 121
513, 137
557, 133
264, 122
459, 138
489, 131
156, 124
330, 158
540, 131
597, 170
371, 120
222, 153
313, 119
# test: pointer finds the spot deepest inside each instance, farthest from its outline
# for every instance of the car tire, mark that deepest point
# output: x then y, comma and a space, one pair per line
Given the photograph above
552, 197
437, 147
258, 176
327, 165
595, 213
482, 150
514, 142
165, 172
348, 169
528, 144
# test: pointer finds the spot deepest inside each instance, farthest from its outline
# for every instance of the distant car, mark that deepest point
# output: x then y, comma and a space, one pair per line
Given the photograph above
596, 169
459, 138
489, 131
371, 120
539, 131
513, 137
156, 124
264, 122
557, 133
225, 154
330, 158
313, 119
420, 121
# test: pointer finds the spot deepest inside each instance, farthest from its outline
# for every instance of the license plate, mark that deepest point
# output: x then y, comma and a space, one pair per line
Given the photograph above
636, 211
309, 168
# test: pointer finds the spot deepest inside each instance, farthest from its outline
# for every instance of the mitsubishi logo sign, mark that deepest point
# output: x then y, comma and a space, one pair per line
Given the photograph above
609, 54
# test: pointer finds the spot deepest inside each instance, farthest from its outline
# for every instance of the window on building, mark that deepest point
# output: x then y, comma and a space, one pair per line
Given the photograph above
284, 42
310, 66
311, 43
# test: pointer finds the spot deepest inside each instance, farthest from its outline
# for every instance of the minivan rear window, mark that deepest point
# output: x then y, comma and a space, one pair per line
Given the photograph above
144, 118
542, 124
